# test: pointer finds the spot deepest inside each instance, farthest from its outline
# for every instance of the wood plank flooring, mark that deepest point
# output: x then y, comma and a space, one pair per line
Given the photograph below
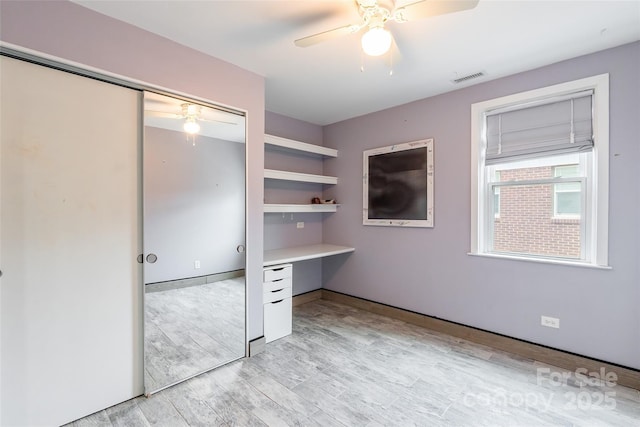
343, 366
191, 329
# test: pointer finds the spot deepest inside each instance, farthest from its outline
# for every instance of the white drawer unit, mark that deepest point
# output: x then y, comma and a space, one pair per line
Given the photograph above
276, 297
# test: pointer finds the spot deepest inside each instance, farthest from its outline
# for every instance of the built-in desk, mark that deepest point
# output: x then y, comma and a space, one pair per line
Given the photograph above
277, 284
302, 253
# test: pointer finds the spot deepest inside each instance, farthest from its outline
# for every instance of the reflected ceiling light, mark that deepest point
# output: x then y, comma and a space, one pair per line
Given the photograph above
190, 109
191, 126
191, 112
376, 41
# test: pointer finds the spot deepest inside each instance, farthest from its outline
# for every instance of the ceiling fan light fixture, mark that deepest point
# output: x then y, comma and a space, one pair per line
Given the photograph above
189, 110
376, 41
191, 126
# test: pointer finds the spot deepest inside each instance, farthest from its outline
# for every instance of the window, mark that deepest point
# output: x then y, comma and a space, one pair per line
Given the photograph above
540, 174
528, 221
567, 196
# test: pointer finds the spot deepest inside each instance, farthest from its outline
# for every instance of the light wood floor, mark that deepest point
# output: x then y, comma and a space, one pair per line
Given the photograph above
189, 330
346, 367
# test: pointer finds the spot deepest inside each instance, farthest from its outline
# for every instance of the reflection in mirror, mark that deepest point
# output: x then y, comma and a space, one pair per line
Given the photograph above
194, 221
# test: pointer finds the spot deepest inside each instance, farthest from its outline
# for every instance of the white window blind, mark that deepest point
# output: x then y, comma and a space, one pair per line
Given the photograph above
552, 126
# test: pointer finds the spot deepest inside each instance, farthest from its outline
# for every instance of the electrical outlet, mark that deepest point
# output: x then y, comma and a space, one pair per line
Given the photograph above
550, 322
196, 264
300, 225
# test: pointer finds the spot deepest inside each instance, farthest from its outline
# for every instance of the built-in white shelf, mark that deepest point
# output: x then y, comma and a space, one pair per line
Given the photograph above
299, 177
268, 208
300, 146
302, 253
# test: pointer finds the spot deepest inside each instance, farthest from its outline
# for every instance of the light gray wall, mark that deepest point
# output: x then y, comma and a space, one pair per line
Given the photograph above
194, 203
66, 30
429, 271
280, 229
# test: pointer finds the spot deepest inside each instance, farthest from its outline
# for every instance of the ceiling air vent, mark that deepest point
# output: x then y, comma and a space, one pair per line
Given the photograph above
468, 77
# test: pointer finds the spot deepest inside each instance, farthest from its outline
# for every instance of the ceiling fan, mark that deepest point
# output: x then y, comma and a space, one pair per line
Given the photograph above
375, 13
191, 113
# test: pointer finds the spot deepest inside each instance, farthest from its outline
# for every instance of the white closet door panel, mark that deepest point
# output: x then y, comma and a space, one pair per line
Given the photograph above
70, 235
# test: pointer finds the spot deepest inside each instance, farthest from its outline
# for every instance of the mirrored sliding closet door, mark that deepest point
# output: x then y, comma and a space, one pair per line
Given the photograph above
194, 236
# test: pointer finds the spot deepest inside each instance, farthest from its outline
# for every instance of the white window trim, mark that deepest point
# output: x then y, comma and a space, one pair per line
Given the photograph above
599, 226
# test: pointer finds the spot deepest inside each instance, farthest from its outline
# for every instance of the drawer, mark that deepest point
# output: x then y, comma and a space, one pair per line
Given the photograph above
277, 284
277, 272
273, 291
277, 319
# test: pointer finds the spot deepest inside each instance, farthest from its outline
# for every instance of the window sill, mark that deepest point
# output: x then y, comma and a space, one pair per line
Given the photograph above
542, 260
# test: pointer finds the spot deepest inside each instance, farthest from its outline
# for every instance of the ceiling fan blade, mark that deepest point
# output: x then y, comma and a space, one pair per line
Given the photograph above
202, 119
327, 35
427, 8
163, 114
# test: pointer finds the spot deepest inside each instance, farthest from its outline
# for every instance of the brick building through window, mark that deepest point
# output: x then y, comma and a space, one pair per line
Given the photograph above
536, 218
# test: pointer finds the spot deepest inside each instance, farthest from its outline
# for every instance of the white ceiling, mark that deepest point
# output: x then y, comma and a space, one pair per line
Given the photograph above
323, 84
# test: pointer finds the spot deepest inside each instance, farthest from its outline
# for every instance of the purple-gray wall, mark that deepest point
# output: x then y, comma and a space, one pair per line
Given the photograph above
194, 204
74, 33
428, 270
280, 229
